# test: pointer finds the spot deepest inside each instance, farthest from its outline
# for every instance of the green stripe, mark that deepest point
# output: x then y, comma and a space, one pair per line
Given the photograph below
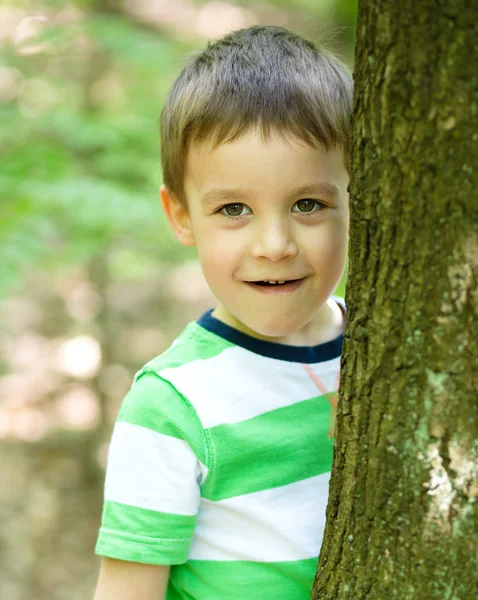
241, 580
276, 448
155, 403
195, 343
158, 536
147, 523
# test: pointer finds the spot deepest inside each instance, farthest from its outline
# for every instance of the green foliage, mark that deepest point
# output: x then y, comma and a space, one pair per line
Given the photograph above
143, 49
80, 158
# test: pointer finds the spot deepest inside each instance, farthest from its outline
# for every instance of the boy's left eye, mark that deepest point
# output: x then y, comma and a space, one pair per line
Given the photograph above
307, 205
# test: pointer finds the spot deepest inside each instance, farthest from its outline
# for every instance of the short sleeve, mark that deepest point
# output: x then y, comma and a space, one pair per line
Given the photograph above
156, 463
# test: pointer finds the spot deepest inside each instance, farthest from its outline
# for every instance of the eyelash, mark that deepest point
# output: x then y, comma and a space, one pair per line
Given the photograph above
320, 205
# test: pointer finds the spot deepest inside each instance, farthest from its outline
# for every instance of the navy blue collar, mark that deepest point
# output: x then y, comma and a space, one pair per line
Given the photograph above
301, 354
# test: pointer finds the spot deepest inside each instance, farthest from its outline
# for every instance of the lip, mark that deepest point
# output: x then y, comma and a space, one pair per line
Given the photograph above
284, 288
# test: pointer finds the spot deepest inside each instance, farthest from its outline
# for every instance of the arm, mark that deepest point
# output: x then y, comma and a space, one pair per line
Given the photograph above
122, 580
151, 493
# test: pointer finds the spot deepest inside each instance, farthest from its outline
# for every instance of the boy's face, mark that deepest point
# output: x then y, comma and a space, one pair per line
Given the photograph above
266, 211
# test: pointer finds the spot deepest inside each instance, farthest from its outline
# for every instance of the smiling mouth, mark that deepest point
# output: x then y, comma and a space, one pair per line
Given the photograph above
281, 284
274, 283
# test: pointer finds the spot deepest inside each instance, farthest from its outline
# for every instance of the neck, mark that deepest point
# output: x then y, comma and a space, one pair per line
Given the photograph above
327, 325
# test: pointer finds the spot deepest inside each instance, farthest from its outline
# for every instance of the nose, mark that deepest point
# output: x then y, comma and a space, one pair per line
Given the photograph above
273, 240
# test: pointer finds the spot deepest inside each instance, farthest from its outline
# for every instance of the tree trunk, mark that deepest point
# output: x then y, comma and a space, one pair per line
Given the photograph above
402, 518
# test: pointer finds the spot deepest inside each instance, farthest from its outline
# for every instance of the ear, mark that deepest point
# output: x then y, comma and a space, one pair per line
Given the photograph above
178, 216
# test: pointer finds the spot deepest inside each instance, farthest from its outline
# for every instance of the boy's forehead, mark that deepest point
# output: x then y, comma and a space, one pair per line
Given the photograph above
251, 156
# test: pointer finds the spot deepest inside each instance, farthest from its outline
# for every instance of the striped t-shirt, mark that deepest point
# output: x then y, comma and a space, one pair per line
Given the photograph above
219, 465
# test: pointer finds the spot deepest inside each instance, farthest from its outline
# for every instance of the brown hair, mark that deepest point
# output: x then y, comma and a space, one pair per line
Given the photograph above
265, 77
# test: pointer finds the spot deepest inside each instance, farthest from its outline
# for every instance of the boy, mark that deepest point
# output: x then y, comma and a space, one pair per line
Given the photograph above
218, 469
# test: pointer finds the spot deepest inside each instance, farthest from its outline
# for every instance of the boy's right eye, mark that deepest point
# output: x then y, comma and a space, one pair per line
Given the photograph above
236, 209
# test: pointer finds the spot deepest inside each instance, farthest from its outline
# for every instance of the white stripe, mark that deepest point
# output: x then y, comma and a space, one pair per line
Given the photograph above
268, 526
236, 384
151, 470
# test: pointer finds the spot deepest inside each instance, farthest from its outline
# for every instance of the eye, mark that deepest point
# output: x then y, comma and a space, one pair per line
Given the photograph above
236, 209
307, 205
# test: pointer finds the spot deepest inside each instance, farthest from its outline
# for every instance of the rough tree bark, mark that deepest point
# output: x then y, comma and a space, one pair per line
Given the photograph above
402, 519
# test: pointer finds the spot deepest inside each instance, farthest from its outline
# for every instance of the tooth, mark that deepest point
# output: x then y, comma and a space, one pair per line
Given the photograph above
281, 281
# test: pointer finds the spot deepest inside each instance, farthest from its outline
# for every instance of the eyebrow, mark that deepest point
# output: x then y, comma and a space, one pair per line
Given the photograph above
223, 194
329, 190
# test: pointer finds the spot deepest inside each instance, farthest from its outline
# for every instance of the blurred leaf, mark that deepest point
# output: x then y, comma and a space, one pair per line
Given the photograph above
140, 48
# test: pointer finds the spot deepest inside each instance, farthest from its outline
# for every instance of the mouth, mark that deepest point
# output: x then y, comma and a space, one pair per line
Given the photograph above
266, 282
282, 285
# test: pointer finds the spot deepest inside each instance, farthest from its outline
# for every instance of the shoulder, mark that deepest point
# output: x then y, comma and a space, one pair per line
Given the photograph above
194, 343
161, 397
190, 364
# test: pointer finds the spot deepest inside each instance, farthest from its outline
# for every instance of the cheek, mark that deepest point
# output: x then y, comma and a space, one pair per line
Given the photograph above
219, 255
329, 245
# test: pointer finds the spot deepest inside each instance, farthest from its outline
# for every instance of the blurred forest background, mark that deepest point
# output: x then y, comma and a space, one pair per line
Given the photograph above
92, 284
